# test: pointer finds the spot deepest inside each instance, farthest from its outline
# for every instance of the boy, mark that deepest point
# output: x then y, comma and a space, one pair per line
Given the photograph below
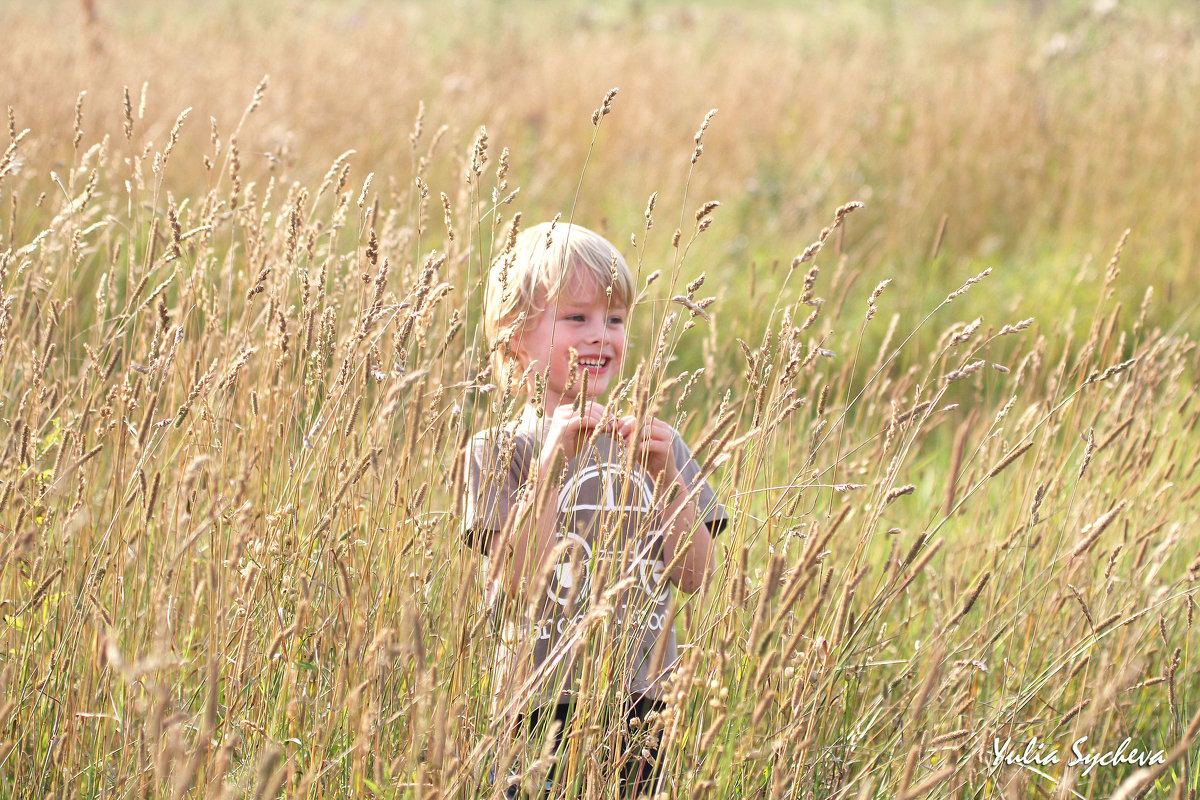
580, 512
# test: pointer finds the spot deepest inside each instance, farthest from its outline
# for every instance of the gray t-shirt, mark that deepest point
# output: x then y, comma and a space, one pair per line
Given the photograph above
607, 595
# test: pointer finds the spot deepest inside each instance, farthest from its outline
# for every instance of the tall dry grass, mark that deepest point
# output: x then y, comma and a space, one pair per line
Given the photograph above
235, 389
1040, 136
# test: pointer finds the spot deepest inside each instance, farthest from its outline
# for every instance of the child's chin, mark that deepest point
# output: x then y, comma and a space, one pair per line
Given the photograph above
597, 386
594, 390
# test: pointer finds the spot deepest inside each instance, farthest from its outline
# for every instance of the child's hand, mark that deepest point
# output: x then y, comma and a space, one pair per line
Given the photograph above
570, 430
651, 441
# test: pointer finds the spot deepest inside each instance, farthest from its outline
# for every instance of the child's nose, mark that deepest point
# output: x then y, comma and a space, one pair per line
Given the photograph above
595, 332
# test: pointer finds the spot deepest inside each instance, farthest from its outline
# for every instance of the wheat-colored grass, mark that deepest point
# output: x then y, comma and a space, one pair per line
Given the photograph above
240, 362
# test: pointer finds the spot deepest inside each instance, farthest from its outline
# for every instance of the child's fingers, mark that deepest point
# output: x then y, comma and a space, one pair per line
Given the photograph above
654, 446
652, 451
634, 424
648, 423
593, 415
597, 416
656, 430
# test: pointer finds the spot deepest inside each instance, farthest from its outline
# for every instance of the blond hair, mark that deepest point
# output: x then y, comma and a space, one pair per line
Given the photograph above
544, 263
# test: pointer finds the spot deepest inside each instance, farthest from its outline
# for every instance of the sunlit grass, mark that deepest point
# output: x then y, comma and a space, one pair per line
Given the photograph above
237, 377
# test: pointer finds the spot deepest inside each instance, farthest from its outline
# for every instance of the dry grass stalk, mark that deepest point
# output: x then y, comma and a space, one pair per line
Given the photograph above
137, 293
1092, 531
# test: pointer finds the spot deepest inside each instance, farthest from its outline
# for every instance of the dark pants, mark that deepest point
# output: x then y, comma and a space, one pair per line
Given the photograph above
639, 768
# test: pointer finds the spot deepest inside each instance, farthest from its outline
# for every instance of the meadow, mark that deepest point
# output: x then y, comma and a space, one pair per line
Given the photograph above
914, 286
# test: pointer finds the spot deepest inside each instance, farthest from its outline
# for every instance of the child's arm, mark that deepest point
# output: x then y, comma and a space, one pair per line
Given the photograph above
654, 442
696, 565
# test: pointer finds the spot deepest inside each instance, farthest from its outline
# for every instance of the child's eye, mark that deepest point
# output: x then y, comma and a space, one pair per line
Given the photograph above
616, 320
575, 317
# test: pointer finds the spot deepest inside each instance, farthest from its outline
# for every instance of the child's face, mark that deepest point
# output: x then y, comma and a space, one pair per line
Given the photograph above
585, 319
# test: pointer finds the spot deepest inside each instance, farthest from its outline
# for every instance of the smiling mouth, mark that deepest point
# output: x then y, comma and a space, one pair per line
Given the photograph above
595, 364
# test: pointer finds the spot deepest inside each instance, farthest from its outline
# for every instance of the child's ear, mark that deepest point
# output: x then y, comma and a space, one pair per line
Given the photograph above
513, 354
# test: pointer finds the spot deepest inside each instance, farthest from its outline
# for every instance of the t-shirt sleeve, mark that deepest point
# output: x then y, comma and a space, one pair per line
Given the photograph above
711, 512
494, 478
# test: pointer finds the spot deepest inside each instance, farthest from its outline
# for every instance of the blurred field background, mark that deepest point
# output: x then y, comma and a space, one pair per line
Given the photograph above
1040, 130
238, 361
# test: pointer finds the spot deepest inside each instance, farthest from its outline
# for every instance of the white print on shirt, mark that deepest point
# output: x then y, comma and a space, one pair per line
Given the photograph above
569, 570
651, 572
543, 628
571, 577
610, 477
